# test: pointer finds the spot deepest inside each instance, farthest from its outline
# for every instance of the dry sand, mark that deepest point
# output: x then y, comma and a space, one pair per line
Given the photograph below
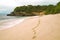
48, 29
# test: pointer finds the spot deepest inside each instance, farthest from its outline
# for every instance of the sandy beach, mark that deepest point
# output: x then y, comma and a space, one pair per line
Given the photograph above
46, 27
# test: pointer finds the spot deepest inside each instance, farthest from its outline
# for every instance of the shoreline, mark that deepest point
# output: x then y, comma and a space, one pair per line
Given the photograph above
10, 23
13, 22
21, 31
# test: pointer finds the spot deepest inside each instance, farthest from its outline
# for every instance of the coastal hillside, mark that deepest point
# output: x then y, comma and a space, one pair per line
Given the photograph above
31, 10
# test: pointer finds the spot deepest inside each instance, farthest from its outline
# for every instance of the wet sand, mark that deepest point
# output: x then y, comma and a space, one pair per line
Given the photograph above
47, 29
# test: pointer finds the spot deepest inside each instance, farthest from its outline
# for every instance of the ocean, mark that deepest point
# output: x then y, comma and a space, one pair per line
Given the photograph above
10, 21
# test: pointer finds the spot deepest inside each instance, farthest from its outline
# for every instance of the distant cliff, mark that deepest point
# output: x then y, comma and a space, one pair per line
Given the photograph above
21, 14
35, 10
27, 10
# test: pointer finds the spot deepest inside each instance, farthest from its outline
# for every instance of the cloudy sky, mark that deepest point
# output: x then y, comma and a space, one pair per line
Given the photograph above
8, 5
14, 3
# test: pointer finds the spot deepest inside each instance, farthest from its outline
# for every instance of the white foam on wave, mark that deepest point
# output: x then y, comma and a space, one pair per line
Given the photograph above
10, 23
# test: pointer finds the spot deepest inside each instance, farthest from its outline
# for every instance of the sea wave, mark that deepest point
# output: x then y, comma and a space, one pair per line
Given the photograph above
4, 24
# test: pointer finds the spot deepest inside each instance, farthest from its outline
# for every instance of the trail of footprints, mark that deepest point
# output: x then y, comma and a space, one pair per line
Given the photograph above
34, 30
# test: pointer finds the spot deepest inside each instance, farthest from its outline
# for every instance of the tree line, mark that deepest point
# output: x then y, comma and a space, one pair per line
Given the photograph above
49, 9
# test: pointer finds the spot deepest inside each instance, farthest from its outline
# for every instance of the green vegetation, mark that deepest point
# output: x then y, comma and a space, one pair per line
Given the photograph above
53, 9
31, 10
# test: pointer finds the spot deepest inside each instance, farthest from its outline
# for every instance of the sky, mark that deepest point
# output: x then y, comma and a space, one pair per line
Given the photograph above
13, 3
10, 4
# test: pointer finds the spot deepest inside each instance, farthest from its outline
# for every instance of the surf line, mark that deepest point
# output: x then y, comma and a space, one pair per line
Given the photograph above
34, 30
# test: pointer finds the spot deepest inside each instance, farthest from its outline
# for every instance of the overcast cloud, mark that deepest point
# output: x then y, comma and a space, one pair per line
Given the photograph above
7, 6
27, 2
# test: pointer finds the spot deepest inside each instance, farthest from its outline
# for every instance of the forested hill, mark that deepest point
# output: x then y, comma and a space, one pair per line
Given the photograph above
31, 10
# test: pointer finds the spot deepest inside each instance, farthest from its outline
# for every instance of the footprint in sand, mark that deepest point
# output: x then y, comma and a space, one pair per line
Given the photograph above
34, 31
